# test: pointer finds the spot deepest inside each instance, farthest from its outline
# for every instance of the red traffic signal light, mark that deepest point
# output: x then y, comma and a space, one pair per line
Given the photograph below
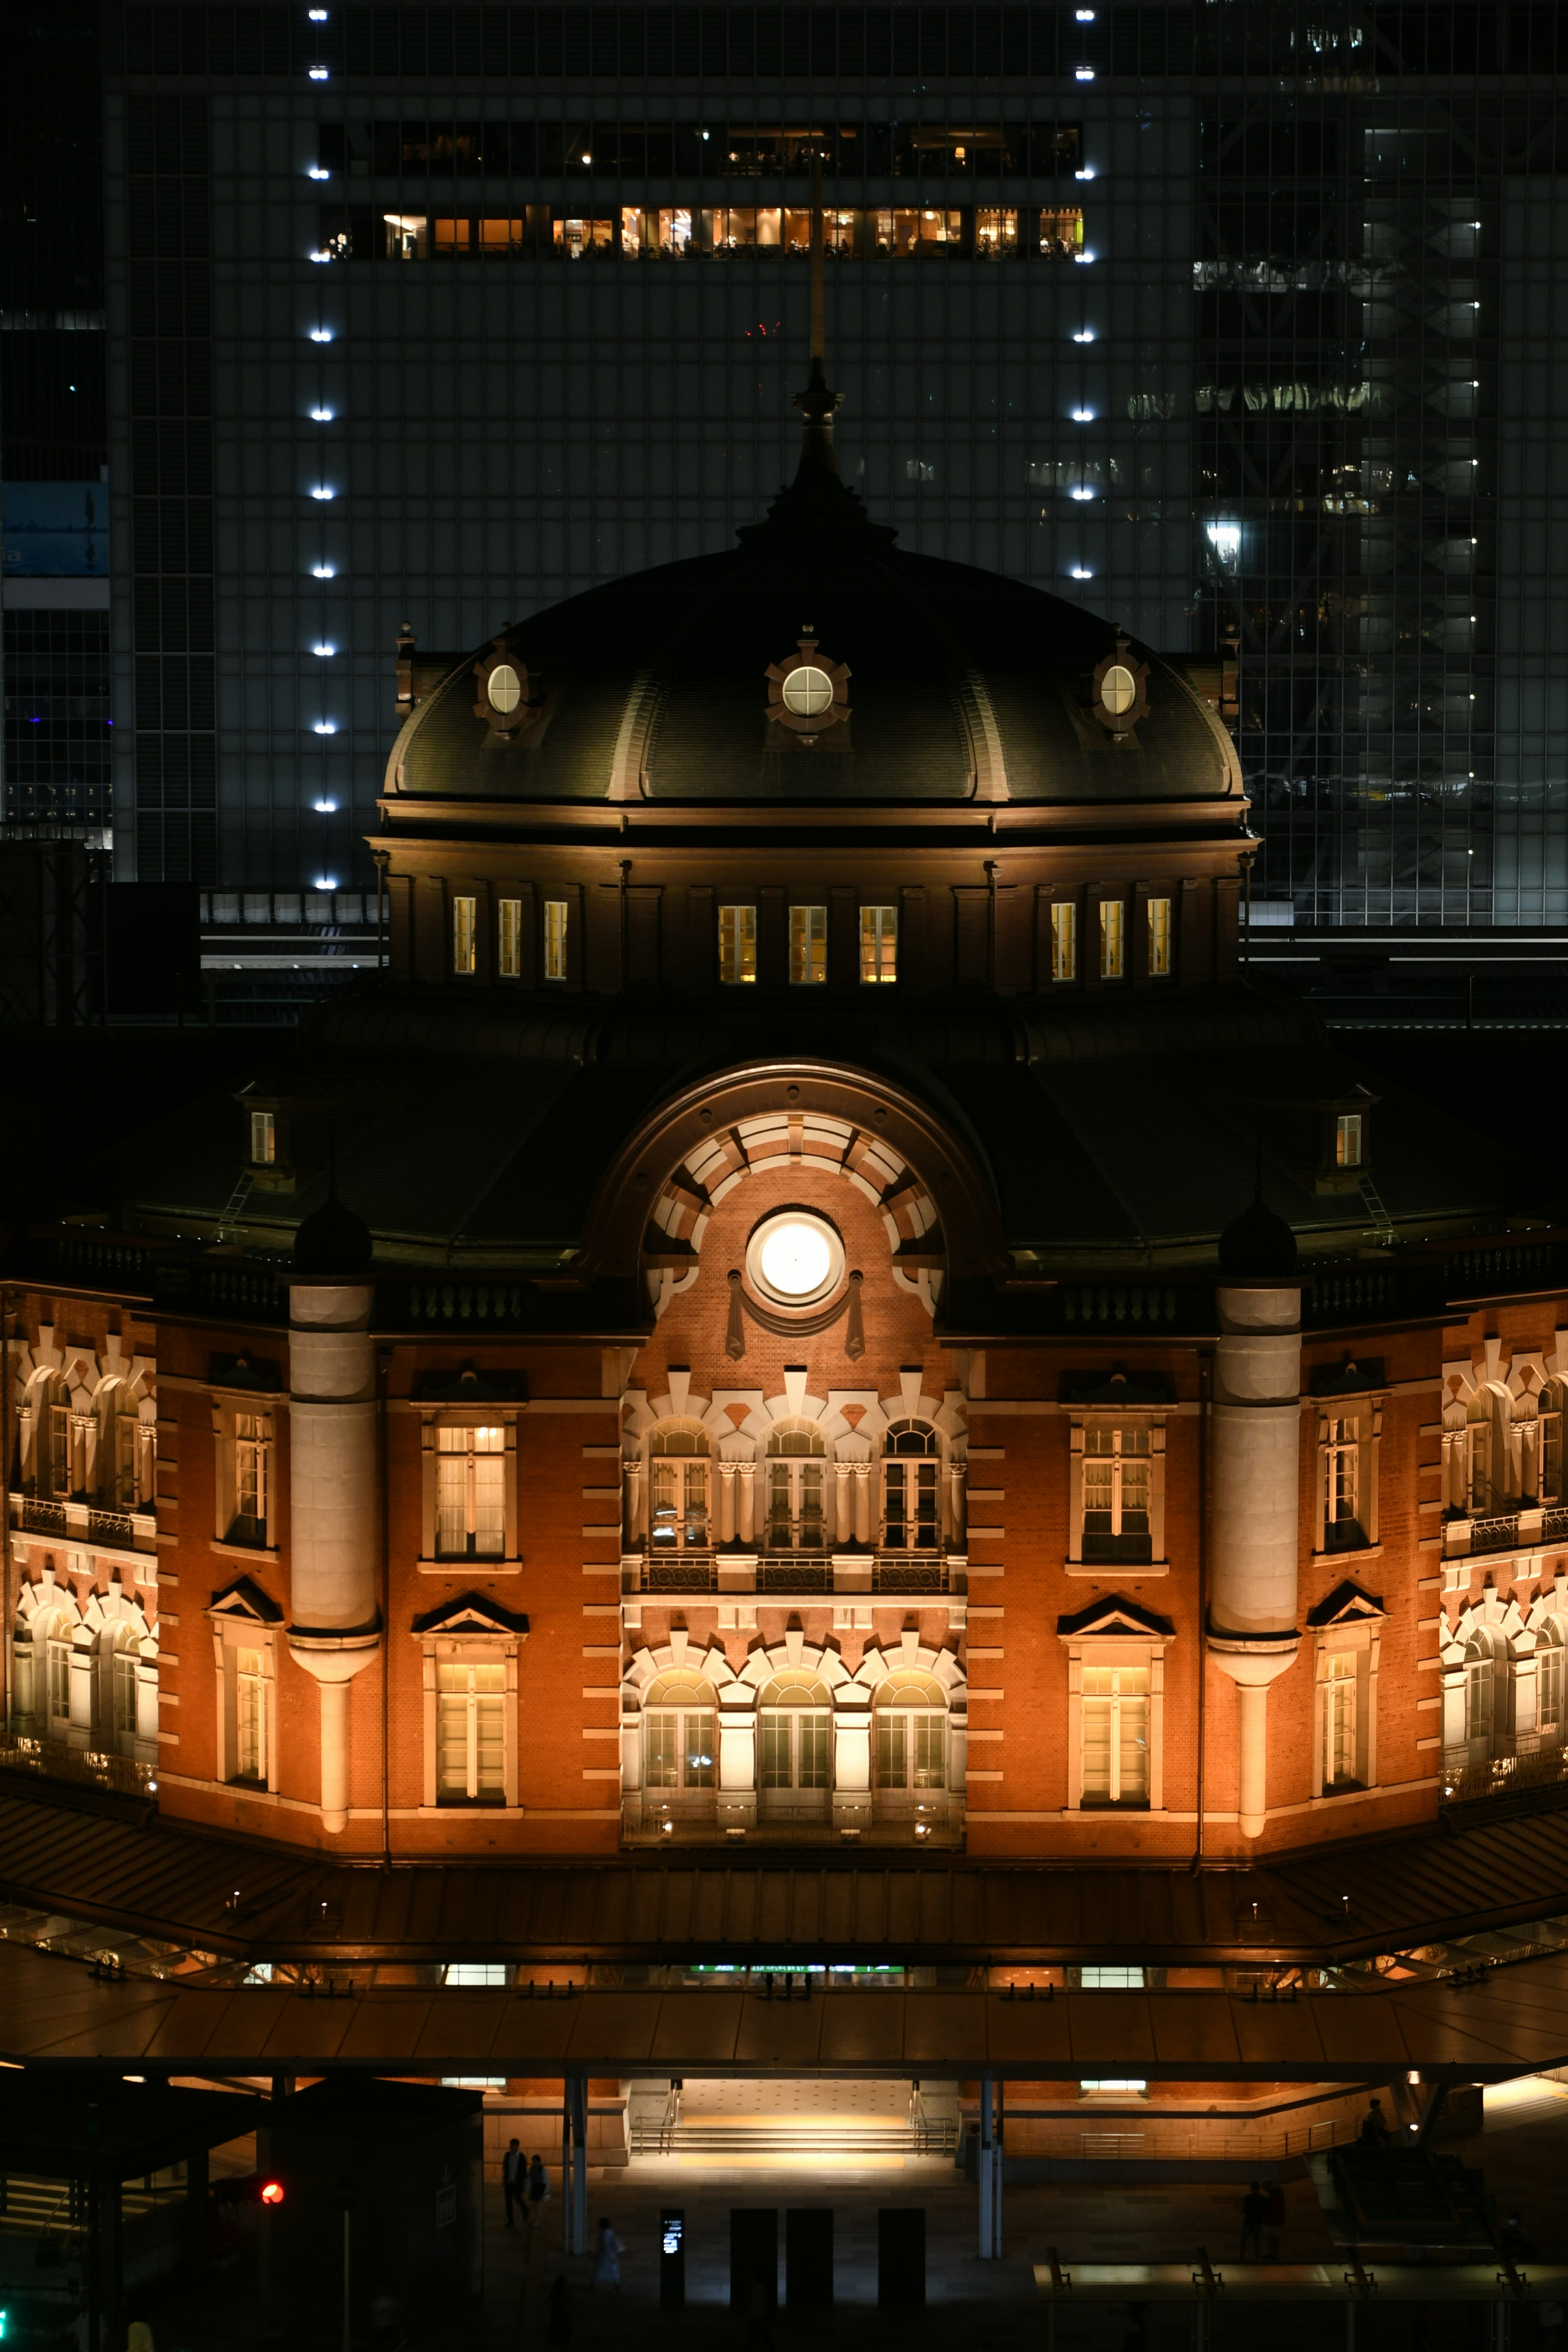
272, 2192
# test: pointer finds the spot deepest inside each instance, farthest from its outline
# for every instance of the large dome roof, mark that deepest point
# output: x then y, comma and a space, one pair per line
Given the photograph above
962, 683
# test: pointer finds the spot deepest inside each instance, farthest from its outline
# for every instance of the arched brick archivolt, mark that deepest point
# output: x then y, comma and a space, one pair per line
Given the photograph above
929, 1181
107, 1632
71, 1405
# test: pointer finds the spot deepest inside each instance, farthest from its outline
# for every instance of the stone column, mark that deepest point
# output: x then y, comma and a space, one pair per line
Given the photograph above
334, 1631
843, 1505
1256, 1451
746, 1529
632, 1488
726, 1502
863, 1503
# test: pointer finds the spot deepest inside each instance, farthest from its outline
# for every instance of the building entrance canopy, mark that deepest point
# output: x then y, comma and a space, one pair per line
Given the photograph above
1515, 2022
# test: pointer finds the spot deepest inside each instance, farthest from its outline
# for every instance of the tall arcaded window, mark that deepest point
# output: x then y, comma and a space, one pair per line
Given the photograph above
680, 1751
1549, 1681
910, 1732
470, 1735
1347, 1139
797, 1469
794, 1734
911, 1487
737, 945
1117, 1468
463, 913
1064, 939
1115, 1735
470, 1493
555, 939
1159, 938
1549, 1446
508, 938
807, 946
677, 1489
878, 944
1112, 923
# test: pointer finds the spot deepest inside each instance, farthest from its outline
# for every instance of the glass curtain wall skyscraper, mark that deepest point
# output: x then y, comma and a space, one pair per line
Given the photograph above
1233, 321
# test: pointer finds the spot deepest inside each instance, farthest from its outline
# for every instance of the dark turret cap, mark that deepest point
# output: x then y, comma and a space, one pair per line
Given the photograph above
1258, 1246
331, 1244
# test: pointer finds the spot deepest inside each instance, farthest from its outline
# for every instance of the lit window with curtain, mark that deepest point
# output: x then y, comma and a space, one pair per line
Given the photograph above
1064, 939
463, 913
470, 1493
252, 1716
878, 944
794, 1728
1339, 1724
1112, 942
1117, 1473
679, 1745
1549, 1681
1115, 1750
555, 939
807, 947
1159, 938
1549, 1446
252, 1445
470, 1735
737, 946
1347, 1139
508, 938
1342, 1485
263, 1138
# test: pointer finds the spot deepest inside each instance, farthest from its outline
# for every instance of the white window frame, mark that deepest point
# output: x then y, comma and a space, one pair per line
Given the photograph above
905, 1468
1350, 1138
1119, 1647
470, 1455
459, 1697
235, 1629
464, 1649
737, 946
1117, 1417
678, 1468
1116, 1702
436, 1418
508, 938
878, 945
263, 1138
1349, 1443
1159, 922
1064, 939
557, 923
1360, 1639
229, 1409
793, 1464
1548, 1463
807, 947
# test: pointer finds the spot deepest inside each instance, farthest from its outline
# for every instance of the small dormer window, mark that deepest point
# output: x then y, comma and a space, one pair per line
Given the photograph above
508, 695
1119, 695
1348, 1140
808, 692
263, 1138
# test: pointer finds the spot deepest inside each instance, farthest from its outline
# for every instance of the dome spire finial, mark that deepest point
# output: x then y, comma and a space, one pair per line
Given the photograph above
818, 403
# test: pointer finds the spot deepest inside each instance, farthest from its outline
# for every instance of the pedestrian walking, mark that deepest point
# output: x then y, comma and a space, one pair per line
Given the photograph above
1273, 2220
1373, 2129
1254, 2206
538, 2191
607, 2258
514, 2181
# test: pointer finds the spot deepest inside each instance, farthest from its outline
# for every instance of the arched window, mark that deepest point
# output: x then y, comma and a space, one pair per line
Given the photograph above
1486, 1455
911, 1487
796, 1466
54, 1472
679, 1746
52, 1647
1486, 1691
1549, 1680
678, 1487
118, 1423
795, 1735
912, 1732
120, 1646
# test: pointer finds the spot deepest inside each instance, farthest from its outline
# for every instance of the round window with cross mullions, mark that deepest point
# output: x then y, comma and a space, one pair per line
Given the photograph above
808, 692
1119, 688
504, 688
795, 1258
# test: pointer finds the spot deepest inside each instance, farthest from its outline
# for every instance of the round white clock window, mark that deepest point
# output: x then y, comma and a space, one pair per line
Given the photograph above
1118, 689
794, 1257
504, 688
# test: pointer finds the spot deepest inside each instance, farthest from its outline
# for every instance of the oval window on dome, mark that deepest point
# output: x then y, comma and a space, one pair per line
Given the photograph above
794, 1257
1118, 688
504, 688
808, 692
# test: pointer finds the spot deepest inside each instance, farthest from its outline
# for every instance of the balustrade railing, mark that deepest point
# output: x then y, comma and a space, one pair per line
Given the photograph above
51, 1760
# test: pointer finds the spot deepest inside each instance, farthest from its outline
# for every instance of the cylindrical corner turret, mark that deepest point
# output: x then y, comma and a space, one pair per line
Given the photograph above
1252, 1632
334, 1629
